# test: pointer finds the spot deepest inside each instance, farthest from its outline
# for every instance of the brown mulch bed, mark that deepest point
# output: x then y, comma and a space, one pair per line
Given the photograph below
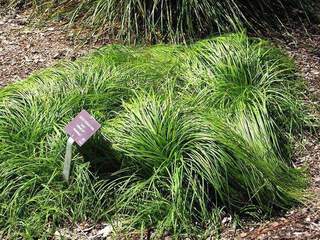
25, 49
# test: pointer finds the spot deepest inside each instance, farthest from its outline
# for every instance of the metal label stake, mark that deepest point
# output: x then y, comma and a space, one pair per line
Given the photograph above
80, 130
67, 160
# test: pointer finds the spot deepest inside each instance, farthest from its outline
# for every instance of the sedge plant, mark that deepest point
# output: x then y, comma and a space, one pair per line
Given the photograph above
188, 132
168, 20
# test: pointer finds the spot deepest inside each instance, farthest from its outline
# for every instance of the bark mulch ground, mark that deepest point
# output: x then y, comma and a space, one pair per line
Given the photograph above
25, 49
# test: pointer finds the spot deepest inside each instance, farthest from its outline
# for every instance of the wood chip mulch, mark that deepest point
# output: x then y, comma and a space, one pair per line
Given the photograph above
25, 48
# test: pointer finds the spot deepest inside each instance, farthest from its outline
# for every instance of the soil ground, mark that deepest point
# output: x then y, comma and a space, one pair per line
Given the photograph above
25, 49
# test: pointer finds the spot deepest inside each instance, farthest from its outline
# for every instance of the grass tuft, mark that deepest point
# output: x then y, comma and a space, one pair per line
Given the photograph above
171, 21
188, 132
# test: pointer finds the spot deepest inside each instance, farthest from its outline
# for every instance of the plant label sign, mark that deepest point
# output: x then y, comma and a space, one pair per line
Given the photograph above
82, 127
80, 130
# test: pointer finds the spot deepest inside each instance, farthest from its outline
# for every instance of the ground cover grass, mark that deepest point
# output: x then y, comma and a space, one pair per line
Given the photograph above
171, 21
188, 132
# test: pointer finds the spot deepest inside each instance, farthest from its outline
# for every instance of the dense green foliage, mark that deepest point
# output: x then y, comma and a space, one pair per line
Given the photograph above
167, 20
188, 131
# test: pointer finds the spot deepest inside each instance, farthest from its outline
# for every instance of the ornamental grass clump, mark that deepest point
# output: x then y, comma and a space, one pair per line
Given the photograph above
168, 20
188, 132
182, 164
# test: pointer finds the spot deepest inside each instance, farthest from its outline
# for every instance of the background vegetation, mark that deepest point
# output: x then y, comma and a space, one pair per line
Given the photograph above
189, 131
171, 21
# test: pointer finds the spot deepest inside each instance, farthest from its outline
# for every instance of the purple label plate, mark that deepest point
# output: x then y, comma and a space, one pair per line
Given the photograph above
82, 127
